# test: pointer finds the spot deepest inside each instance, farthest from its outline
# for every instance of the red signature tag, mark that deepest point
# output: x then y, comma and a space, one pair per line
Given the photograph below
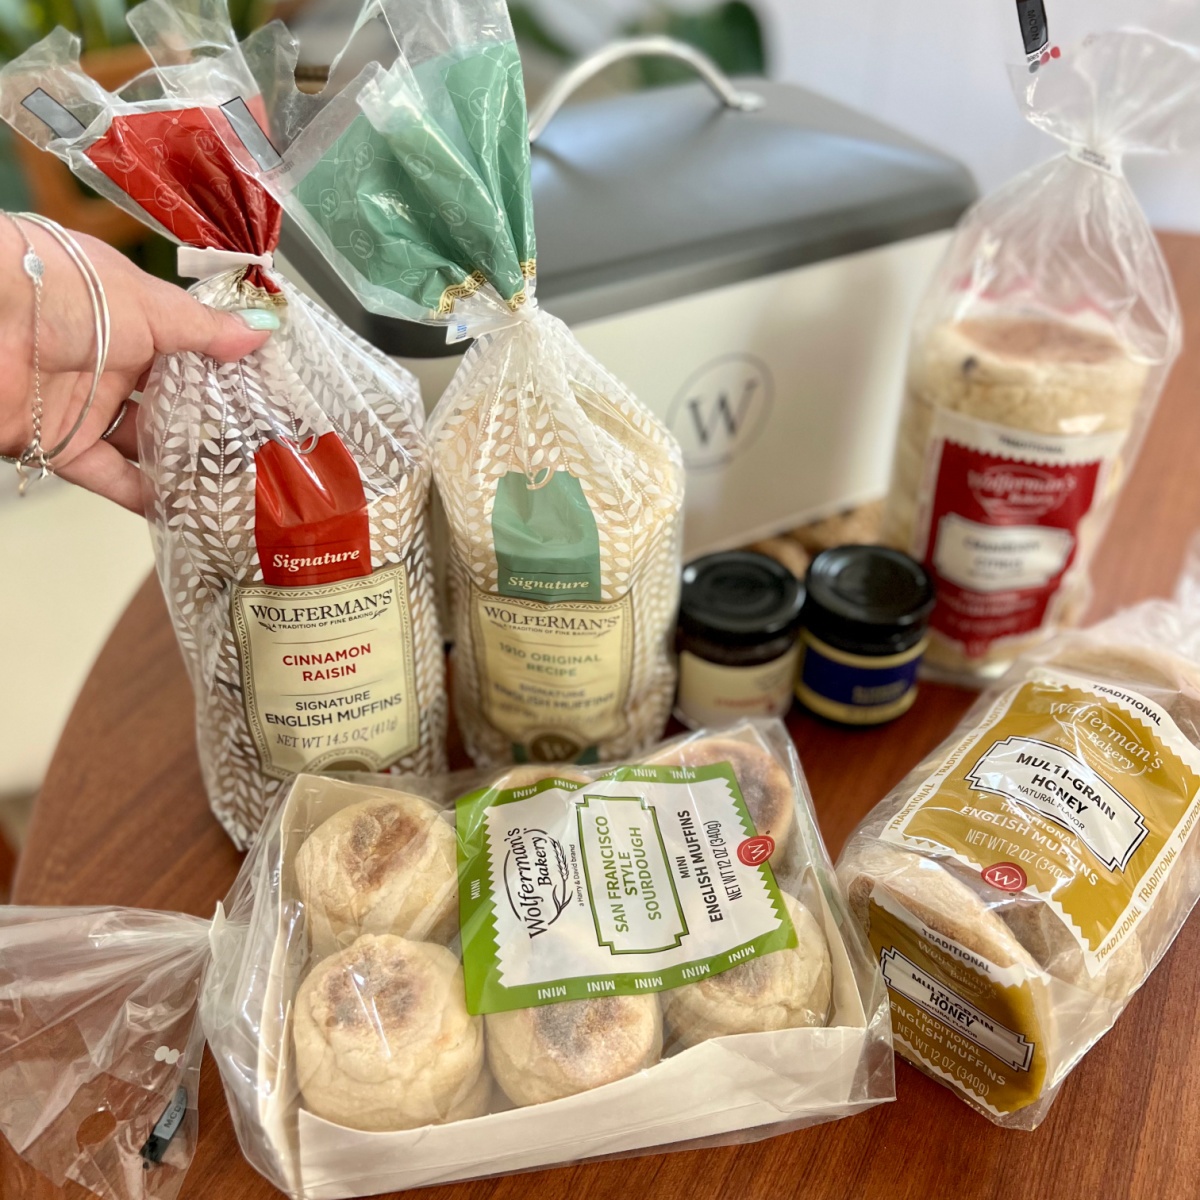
310, 517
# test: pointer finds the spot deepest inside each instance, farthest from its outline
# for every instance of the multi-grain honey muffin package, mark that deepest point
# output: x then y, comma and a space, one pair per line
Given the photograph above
563, 494
1023, 881
422, 979
1038, 355
287, 493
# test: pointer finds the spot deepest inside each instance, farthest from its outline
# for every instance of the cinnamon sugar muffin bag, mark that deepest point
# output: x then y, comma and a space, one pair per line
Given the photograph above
563, 493
287, 493
1038, 356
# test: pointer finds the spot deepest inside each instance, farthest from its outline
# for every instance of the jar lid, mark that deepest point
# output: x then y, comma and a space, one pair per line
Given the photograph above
867, 599
739, 598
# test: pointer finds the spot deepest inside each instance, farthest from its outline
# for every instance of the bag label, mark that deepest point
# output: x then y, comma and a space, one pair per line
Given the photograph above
631, 883
1074, 791
712, 695
328, 674
998, 522
310, 513
553, 677
968, 1021
904, 976
1061, 786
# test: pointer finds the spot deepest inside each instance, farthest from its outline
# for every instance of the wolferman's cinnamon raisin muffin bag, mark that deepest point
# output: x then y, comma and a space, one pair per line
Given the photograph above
287, 493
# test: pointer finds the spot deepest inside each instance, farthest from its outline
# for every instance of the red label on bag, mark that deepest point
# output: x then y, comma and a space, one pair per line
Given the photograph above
1004, 508
1006, 876
310, 516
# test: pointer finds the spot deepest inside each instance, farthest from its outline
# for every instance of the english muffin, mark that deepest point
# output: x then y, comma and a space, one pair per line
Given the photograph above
383, 1038
384, 865
556, 1050
788, 989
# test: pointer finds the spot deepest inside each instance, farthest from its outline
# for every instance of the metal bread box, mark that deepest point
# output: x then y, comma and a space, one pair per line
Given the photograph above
747, 258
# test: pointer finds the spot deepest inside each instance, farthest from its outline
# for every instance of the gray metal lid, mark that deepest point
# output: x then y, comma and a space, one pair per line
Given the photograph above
643, 197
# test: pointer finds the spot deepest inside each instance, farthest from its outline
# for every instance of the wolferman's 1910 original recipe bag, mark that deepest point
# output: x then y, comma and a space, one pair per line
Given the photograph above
563, 494
288, 492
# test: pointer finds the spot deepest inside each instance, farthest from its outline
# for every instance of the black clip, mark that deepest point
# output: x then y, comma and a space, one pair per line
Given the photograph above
167, 1127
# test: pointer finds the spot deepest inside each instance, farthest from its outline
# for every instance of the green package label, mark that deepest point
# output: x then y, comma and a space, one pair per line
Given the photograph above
631, 883
547, 546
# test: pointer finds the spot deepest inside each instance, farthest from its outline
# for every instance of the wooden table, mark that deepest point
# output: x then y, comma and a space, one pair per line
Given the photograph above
122, 820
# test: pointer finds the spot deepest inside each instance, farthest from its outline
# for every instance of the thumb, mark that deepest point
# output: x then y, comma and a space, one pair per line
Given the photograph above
183, 323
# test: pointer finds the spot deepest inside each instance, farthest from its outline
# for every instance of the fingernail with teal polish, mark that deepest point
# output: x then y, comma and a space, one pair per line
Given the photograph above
258, 318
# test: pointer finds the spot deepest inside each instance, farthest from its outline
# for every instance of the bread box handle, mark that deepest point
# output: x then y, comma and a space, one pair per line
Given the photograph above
642, 47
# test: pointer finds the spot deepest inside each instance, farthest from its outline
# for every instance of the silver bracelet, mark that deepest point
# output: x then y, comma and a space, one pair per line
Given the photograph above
35, 455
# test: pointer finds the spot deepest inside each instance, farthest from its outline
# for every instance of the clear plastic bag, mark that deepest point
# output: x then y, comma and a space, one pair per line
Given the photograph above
1024, 880
287, 493
368, 1041
99, 1045
1038, 355
563, 493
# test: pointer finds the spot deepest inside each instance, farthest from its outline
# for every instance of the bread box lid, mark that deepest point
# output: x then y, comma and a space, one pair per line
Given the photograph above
642, 197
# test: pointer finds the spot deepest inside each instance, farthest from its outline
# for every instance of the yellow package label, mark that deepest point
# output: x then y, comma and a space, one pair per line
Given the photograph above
968, 1021
553, 677
1079, 793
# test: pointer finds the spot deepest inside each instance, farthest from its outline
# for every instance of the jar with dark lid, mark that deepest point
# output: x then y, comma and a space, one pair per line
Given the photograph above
739, 622
865, 621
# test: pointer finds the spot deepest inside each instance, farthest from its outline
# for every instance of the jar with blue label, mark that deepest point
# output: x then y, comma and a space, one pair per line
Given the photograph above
865, 621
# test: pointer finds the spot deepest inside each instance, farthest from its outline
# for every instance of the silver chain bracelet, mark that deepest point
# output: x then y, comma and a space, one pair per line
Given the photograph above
35, 457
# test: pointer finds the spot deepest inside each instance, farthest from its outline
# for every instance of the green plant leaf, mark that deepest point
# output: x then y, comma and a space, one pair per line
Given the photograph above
530, 31
730, 34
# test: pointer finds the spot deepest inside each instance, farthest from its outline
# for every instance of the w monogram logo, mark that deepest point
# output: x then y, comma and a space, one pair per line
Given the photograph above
721, 410
722, 413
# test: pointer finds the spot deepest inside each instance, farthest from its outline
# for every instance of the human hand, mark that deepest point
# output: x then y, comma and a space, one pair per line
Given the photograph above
148, 317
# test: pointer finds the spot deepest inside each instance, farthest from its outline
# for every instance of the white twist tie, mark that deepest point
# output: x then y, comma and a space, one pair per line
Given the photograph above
203, 262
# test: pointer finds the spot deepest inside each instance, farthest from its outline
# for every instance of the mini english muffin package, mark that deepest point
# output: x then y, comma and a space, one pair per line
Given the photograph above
424, 979
1021, 883
1038, 355
288, 493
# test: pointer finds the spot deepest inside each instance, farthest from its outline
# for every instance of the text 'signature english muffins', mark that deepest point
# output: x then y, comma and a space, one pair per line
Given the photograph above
1037, 358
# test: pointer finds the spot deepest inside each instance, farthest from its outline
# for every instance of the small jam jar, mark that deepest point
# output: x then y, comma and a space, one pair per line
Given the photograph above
739, 622
865, 621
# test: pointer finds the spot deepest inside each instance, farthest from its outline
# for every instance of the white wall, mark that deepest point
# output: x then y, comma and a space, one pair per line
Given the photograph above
938, 70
